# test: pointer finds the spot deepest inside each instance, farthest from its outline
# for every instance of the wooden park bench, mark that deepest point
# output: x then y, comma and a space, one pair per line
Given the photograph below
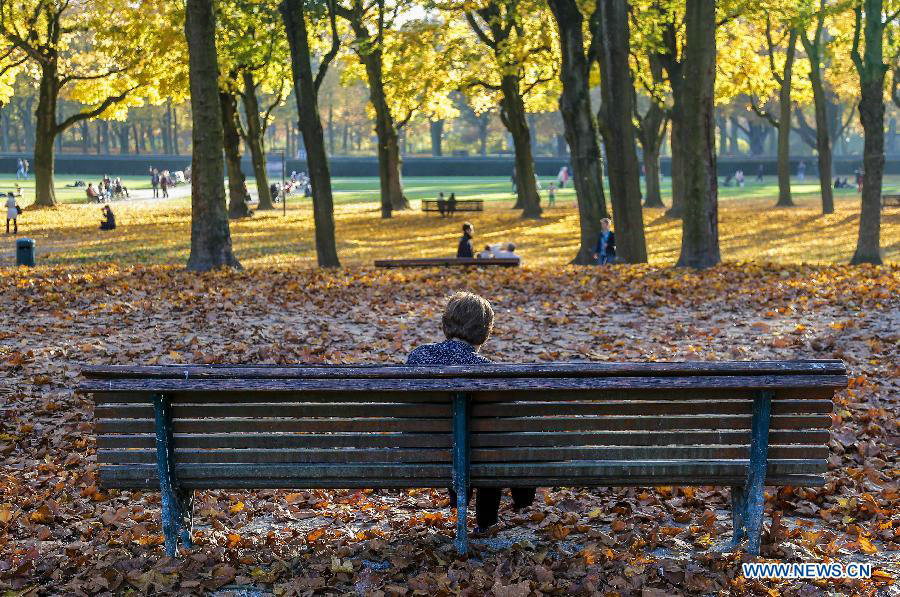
446, 261
739, 424
461, 205
890, 199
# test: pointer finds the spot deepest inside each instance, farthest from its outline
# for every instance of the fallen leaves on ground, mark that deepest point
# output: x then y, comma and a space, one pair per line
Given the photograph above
61, 532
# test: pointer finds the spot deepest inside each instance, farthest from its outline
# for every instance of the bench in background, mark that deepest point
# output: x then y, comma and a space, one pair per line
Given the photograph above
740, 424
446, 261
461, 205
890, 199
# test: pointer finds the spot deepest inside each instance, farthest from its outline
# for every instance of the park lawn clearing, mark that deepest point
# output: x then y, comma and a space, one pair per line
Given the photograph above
158, 232
61, 534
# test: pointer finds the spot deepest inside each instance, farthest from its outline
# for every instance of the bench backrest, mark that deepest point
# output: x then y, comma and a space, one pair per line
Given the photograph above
390, 426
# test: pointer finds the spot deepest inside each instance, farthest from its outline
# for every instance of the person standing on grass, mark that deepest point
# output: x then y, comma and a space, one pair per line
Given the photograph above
467, 323
465, 248
801, 170
605, 251
26, 165
563, 176
551, 195
154, 182
20, 169
12, 213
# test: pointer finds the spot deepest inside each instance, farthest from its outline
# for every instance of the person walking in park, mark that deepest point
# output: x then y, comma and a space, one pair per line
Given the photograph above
563, 176
467, 322
12, 213
20, 169
154, 182
551, 194
109, 219
26, 166
465, 248
442, 204
605, 251
801, 170
451, 204
164, 183
739, 178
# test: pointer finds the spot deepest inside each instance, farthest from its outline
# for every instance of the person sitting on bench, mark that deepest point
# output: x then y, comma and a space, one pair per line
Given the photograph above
92, 193
467, 323
442, 204
488, 253
109, 221
451, 204
465, 248
507, 251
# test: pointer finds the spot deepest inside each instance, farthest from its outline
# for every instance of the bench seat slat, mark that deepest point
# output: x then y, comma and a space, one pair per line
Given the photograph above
277, 425
295, 410
427, 440
575, 369
397, 455
456, 384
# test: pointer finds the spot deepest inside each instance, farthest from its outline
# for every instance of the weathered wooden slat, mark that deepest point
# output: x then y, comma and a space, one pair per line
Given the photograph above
397, 455
448, 261
708, 407
277, 425
276, 441
575, 369
290, 410
637, 423
152, 484
426, 440
657, 394
639, 468
252, 397
282, 471
460, 384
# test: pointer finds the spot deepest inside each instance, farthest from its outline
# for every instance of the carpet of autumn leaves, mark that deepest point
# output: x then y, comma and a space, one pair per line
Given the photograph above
62, 534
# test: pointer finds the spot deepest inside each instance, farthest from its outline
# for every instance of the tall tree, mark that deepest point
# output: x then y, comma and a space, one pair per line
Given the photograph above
651, 128
238, 196
75, 51
306, 89
700, 226
210, 235
579, 125
869, 28
611, 47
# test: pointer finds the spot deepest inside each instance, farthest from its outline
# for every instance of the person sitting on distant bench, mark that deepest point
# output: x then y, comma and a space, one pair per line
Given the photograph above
92, 194
507, 251
109, 221
465, 249
488, 253
442, 204
451, 204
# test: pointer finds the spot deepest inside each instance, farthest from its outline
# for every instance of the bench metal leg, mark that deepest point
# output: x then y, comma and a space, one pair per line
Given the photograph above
461, 468
176, 502
737, 514
756, 475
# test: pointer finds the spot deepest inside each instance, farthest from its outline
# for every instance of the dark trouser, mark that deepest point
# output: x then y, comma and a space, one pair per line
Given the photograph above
487, 502
155, 192
165, 191
15, 226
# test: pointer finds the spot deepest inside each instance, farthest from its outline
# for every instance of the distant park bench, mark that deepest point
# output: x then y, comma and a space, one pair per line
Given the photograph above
189, 427
447, 261
461, 205
890, 199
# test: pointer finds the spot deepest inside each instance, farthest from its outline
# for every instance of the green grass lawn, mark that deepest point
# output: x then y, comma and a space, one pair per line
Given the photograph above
489, 188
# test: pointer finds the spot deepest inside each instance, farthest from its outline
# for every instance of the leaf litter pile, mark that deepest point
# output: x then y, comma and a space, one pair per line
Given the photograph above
62, 534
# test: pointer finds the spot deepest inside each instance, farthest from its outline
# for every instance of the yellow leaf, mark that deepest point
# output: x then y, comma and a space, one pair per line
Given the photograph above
866, 546
236, 508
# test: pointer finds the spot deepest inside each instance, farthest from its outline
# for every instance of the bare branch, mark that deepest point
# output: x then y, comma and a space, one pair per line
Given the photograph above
332, 52
80, 116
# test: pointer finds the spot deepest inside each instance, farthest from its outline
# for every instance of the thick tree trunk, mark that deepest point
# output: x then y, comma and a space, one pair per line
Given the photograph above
617, 89
45, 135
823, 137
676, 210
238, 198
210, 236
313, 136
512, 113
733, 148
700, 228
651, 178
123, 129
579, 127
254, 139
437, 133
784, 125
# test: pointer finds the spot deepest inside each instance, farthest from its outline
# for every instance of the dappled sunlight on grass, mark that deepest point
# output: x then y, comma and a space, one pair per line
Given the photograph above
751, 229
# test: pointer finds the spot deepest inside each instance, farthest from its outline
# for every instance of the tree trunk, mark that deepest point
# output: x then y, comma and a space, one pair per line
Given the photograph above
85, 137
700, 228
123, 138
45, 134
313, 136
389, 162
579, 127
617, 89
651, 178
175, 147
4, 139
210, 236
238, 198
483, 123
436, 128
733, 148
512, 113
254, 139
678, 157
823, 137
871, 69
784, 125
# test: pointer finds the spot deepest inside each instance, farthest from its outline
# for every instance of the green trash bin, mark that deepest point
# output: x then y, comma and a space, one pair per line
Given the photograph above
25, 252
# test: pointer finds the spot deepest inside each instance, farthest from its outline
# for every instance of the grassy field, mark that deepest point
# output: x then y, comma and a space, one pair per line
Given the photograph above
159, 231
